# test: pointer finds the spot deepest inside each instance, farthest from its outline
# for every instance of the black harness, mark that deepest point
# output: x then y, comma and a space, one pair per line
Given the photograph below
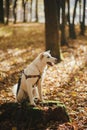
28, 76
32, 76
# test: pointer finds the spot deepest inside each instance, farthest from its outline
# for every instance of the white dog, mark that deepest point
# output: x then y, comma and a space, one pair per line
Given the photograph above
32, 77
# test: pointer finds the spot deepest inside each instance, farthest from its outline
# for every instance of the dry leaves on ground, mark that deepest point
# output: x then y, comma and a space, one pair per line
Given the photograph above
66, 82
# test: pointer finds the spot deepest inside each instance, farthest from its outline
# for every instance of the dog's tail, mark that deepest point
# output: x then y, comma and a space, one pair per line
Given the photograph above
14, 89
18, 86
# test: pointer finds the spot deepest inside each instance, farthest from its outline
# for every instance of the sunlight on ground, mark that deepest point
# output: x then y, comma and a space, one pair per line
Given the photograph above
15, 56
20, 36
5, 32
66, 82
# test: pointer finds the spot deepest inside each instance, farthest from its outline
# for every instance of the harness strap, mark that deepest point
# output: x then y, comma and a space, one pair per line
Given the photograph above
18, 87
32, 76
27, 76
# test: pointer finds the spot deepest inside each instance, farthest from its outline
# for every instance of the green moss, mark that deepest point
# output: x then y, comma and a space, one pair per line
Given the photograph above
30, 116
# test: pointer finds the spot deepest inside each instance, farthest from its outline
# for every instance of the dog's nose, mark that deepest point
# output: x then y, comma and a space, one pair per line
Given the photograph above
57, 60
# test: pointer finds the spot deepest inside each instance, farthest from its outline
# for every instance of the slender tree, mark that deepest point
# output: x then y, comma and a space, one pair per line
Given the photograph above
24, 2
72, 33
68, 17
7, 11
80, 10
14, 10
68, 14
51, 28
73, 22
36, 10
63, 29
1, 12
31, 1
61, 5
82, 24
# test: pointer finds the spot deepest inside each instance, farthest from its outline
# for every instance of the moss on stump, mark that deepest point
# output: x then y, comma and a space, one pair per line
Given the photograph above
24, 117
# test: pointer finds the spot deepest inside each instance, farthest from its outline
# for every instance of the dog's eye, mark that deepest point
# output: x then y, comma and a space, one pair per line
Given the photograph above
48, 56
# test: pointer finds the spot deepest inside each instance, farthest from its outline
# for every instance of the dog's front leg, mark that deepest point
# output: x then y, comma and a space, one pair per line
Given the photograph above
35, 92
30, 93
40, 90
20, 95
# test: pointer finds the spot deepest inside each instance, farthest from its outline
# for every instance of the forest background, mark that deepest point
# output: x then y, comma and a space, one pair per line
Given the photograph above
28, 27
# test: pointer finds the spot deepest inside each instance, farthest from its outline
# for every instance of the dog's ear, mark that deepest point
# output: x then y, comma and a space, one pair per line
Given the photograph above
48, 51
41, 56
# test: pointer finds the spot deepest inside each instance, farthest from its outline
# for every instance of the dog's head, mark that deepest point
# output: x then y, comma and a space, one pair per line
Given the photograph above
47, 58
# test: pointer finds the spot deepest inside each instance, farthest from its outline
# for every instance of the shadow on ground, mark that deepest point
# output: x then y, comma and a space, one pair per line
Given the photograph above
23, 116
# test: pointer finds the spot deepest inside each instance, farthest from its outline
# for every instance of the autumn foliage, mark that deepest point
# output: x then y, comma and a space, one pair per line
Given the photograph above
65, 82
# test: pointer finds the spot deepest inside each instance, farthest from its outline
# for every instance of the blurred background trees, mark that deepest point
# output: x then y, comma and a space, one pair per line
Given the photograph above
60, 15
69, 12
1, 12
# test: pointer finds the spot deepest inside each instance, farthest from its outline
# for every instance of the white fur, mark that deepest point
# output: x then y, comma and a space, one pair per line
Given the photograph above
14, 89
37, 67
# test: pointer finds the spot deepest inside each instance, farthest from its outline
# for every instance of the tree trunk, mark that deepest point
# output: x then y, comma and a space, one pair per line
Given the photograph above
82, 24
52, 28
58, 11
7, 11
31, 1
63, 30
1, 12
68, 18
72, 26
24, 9
14, 11
68, 15
36, 11
80, 11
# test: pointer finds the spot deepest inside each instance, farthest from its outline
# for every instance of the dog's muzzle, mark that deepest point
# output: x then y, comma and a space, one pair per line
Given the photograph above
52, 63
49, 63
56, 61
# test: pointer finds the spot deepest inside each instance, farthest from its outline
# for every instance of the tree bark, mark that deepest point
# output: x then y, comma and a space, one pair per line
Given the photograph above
63, 30
68, 17
14, 11
7, 11
82, 24
31, 1
36, 11
72, 26
52, 28
1, 12
80, 11
24, 9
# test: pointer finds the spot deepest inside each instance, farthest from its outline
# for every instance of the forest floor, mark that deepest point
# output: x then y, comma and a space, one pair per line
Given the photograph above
65, 82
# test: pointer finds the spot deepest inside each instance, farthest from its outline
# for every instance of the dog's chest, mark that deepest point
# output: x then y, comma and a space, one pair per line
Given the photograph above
44, 73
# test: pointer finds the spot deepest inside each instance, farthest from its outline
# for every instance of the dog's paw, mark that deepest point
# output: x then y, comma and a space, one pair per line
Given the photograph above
32, 104
37, 101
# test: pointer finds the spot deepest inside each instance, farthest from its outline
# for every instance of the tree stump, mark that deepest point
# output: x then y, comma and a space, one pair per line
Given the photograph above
24, 117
